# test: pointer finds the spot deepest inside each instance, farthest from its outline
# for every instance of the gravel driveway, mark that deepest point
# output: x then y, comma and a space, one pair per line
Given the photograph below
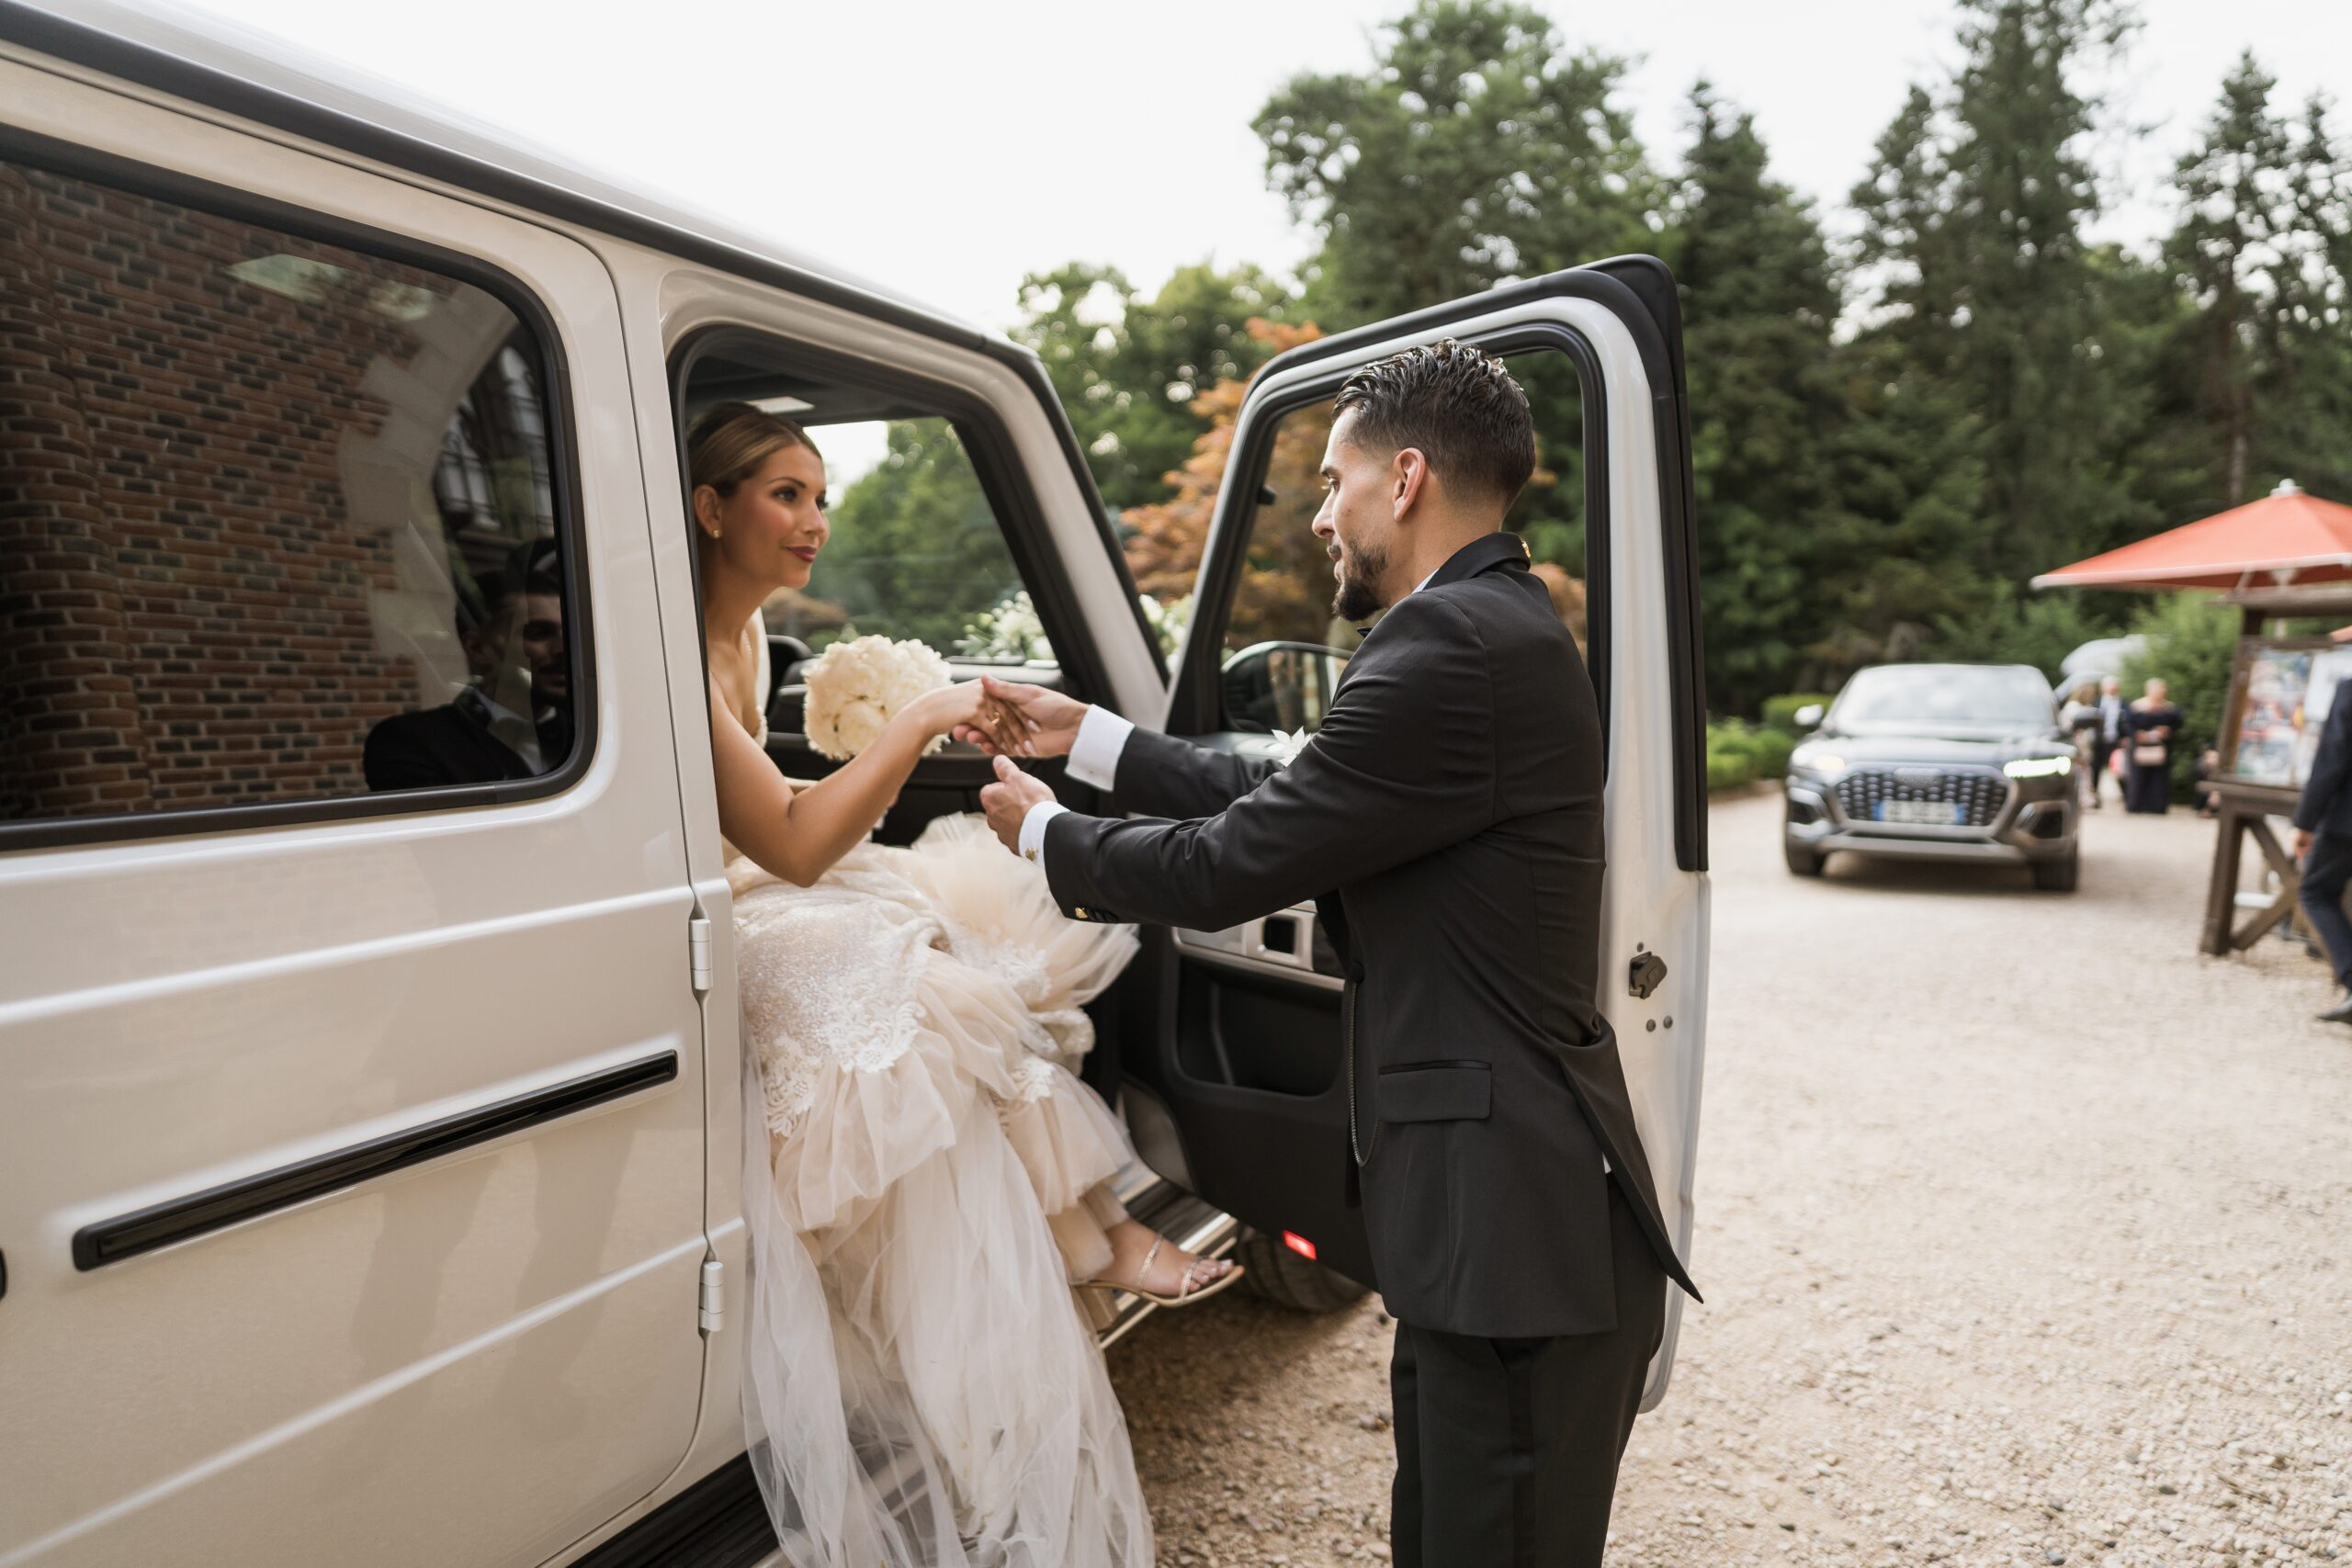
2023, 1230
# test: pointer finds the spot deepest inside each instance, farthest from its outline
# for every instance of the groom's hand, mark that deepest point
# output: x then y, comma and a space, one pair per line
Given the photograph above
1008, 800
1049, 719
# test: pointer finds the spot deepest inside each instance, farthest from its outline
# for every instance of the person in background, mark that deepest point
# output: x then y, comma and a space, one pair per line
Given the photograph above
2112, 715
515, 647
2079, 718
2151, 726
2323, 847
2209, 762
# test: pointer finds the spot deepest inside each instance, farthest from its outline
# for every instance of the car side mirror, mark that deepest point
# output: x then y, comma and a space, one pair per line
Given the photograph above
1276, 687
1808, 717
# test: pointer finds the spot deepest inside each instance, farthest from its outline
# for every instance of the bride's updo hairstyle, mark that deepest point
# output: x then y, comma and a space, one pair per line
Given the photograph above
729, 443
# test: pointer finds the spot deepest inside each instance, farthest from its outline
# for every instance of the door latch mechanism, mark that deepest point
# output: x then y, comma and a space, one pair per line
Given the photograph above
1645, 975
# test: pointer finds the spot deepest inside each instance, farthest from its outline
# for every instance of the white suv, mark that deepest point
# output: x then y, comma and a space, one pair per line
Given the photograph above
369, 1158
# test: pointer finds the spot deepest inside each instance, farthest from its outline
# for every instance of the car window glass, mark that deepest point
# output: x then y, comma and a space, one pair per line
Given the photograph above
1283, 650
915, 550
280, 516
1945, 694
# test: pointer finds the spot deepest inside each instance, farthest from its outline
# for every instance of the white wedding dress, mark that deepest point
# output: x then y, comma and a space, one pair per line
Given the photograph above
923, 1178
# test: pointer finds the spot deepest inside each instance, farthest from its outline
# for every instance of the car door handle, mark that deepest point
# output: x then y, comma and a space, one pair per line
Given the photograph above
1284, 941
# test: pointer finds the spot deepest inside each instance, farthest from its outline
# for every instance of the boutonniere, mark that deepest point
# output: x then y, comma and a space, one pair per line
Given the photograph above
1287, 745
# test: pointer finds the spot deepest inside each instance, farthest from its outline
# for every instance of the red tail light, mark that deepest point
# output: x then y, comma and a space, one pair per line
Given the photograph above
1298, 1244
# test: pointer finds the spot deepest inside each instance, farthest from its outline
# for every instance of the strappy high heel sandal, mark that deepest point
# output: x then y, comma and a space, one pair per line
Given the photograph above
1185, 1295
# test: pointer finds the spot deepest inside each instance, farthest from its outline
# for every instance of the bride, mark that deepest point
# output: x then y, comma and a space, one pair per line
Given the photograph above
924, 1178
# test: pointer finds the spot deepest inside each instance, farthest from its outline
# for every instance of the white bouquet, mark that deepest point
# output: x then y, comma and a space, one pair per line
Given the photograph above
856, 686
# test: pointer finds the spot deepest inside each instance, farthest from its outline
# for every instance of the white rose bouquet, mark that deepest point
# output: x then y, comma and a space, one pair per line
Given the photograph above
856, 686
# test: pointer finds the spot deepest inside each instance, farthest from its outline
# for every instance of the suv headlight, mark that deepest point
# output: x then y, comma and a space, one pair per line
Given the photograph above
1821, 764
2038, 767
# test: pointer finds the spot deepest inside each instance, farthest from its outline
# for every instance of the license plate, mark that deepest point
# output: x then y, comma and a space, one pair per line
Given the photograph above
1920, 813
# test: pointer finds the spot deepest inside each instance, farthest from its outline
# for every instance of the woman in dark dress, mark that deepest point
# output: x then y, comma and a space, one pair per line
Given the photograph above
2152, 726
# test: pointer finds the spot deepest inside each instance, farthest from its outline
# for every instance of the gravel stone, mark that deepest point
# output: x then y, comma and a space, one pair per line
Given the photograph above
2022, 1227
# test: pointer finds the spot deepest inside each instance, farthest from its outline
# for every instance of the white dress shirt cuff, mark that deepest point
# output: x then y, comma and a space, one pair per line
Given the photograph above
1033, 829
1094, 755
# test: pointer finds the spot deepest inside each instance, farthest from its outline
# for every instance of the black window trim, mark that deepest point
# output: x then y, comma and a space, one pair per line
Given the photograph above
988, 443
1200, 700
144, 179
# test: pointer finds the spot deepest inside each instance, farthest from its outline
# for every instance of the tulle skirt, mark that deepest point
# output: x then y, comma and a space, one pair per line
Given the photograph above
923, 1180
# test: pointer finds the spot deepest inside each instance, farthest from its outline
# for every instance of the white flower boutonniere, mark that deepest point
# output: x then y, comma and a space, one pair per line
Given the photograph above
1286, 745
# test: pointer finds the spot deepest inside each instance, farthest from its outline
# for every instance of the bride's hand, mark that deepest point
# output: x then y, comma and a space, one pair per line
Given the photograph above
1044, 721
967, 710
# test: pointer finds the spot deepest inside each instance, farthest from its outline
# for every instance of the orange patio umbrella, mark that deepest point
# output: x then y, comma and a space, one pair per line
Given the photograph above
2288, 539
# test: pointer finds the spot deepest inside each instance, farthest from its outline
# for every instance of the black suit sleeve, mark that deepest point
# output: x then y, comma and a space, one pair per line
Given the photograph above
399, 754
1163, 775
2330, 766
1404, 765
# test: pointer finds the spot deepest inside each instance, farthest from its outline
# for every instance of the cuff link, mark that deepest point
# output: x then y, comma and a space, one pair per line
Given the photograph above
1080, 912
1030, 855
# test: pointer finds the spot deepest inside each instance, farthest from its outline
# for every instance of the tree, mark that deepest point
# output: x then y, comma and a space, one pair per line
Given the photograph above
1759, 301
1287, 568
916, 551
2307, 407
1130, 369
1476, 149
2235, 212
2004, 415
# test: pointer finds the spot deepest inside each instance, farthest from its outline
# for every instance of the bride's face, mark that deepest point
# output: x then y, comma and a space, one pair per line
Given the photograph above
773, 525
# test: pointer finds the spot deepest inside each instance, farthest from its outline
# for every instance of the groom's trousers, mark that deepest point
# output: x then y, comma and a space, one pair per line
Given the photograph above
1506, 1449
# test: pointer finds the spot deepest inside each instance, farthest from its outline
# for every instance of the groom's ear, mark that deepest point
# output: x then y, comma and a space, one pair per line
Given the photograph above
1409, 472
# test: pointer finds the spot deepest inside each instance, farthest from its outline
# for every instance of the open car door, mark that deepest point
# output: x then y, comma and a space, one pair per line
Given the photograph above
1240, 1098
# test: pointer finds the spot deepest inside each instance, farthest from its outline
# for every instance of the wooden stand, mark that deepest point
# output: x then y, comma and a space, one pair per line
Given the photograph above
2243, 810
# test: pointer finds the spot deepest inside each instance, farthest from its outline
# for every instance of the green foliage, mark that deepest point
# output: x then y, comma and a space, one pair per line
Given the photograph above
1759, 301
2038, 629
1890, 438
1780, 712
1738, 754
1479, 148
1128, 367
916, 551
2192, 645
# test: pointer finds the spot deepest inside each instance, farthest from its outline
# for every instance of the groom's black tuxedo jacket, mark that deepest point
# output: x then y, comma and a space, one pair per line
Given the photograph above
1453, 798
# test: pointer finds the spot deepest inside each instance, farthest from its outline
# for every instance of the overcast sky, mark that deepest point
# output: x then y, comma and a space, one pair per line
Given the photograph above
947, 148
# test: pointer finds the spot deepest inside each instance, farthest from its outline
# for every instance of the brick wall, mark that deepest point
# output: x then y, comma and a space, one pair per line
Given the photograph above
189, 598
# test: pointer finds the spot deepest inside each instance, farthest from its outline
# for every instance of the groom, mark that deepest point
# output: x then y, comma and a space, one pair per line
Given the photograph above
1453, 798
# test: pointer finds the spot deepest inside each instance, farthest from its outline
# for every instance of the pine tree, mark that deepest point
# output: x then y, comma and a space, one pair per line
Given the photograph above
2306, 402
2235, 213
1759, 303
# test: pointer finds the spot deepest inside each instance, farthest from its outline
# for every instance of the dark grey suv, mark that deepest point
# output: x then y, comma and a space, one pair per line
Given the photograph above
1943, 762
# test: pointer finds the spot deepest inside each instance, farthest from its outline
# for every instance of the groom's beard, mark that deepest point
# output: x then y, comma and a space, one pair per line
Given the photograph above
1357, 599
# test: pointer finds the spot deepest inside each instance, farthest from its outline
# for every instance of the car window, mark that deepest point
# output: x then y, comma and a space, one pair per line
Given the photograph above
1972, 696
1283, 650
916, 550
282, 518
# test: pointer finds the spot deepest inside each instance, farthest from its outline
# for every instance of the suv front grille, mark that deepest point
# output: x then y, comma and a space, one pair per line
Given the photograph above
1979, 795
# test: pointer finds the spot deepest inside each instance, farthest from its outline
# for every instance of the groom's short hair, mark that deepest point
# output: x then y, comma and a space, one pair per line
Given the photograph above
1454, 403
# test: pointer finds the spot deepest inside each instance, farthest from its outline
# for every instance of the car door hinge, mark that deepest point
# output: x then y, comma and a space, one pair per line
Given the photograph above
714, 1295
698, 953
